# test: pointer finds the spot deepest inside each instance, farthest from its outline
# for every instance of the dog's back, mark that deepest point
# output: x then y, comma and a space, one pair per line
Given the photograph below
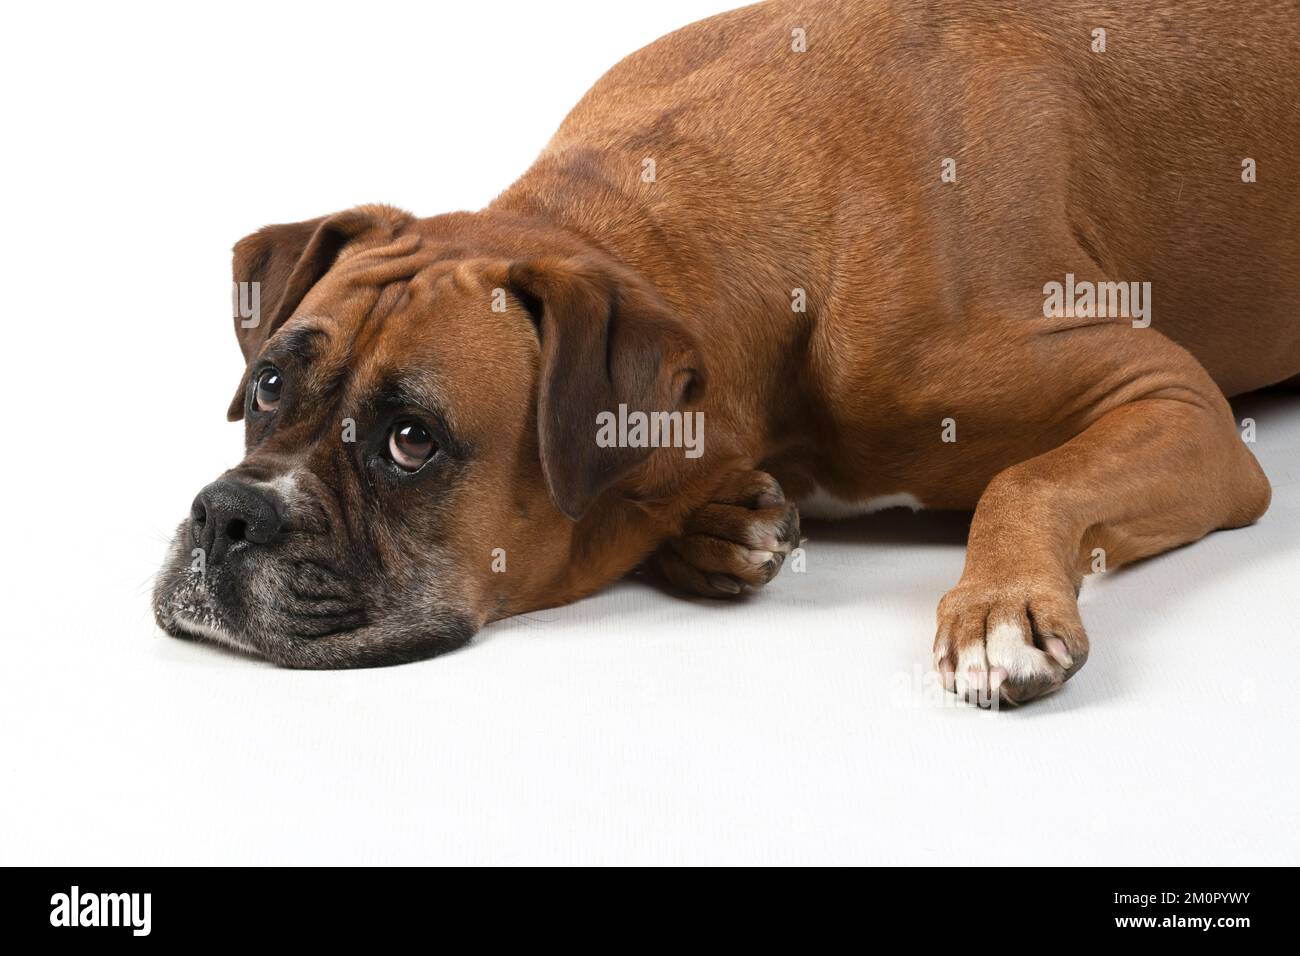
823, 130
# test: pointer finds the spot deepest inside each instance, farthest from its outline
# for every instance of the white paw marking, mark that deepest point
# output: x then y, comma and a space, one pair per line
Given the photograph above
972, 668
1009, 647
822, 504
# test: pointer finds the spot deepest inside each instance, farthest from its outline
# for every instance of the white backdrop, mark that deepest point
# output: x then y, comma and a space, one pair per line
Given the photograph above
633, 727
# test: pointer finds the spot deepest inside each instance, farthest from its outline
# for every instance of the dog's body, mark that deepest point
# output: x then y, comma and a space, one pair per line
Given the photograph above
831, 229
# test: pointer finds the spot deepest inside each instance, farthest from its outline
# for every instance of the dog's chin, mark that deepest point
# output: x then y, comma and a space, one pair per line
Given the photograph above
258, 606
181, 627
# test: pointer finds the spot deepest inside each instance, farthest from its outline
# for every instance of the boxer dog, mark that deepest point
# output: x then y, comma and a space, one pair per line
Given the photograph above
998, 255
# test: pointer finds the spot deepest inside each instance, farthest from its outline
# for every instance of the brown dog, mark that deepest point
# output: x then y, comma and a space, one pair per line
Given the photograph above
970, 255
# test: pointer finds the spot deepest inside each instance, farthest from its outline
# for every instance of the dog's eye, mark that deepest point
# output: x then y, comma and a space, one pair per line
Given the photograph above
266, 393
409, 445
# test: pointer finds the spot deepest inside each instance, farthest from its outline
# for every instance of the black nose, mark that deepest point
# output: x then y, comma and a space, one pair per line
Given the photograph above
226, 512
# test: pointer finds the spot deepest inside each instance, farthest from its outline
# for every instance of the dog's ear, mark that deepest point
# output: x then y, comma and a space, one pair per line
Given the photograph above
607, 339
277, 265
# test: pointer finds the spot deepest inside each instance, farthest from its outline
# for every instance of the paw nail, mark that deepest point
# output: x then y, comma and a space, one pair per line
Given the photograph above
1058, 651
760, 557
724, 583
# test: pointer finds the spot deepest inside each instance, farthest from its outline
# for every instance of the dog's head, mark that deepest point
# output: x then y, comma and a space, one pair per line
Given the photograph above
420, 407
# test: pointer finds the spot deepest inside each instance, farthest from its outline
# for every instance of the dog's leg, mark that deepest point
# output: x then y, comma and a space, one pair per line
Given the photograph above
738, 540
1157, 463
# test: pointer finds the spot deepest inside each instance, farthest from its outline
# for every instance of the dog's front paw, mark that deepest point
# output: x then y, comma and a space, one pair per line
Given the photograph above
738, 540
1008, 643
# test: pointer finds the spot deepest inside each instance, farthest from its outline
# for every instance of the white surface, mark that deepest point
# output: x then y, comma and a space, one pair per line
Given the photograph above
632, 727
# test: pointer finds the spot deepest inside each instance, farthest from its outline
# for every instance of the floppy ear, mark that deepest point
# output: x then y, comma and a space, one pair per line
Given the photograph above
277, 265
607, 339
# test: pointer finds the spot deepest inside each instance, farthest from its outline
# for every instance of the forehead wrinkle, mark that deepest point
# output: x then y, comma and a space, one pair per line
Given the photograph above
463, 275
465, 280
338, 340
372, 282
381, 265
368, 330
374, 347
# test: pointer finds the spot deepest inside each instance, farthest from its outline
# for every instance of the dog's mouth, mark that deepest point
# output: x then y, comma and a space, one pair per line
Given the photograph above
251, 611
295, 612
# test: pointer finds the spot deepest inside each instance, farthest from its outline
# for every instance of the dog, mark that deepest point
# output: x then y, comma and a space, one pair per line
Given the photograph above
1003, 256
